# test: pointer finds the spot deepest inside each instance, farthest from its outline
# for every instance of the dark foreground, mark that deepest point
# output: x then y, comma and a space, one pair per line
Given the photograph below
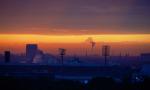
99, 83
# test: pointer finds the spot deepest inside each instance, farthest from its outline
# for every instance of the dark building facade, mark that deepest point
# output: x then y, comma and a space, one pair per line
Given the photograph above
7, 56
145, 56
31, 50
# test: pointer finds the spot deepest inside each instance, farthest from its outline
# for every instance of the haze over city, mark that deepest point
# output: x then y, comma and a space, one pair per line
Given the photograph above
72, 21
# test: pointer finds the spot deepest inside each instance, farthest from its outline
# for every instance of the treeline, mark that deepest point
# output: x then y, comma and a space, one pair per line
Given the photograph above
99, 83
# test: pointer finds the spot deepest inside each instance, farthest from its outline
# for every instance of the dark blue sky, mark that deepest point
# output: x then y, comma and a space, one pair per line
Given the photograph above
75, 16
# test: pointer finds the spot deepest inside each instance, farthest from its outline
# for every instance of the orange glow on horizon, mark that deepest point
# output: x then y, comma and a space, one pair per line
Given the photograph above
32, 38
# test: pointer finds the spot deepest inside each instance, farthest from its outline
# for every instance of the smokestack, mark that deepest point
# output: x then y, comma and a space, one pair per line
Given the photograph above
7, 56
91, 41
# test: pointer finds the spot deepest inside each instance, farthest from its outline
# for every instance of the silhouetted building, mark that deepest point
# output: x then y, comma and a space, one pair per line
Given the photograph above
38, 58
31, 50
145, 56
105, 52
7, 56
62, 52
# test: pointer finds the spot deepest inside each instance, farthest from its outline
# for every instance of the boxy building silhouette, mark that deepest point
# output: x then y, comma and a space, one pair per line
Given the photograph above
7, 56
31, 50
145, 56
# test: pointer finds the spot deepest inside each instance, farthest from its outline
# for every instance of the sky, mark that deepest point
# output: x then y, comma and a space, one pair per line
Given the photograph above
67, 17
52, 22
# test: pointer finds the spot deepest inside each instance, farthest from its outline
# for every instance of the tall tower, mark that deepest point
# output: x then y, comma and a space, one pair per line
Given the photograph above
106, 52
31, 50
62, 52
7, 56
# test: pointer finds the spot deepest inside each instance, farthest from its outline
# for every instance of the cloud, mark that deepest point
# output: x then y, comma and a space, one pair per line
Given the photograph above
73, 16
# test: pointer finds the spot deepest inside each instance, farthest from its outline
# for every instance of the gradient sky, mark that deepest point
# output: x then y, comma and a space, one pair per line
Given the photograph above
74, 17
123, 24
